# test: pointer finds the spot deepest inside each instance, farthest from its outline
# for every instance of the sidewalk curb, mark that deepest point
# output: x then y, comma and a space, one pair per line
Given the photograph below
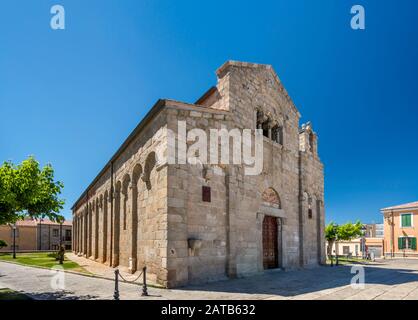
84, 274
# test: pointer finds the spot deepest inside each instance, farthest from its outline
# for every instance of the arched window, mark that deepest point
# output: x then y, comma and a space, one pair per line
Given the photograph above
310, 212
311, 141
266, 127
260, 116
277, 134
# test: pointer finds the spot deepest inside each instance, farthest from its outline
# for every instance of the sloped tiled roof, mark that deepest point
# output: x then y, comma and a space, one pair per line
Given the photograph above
34, 223
410, 205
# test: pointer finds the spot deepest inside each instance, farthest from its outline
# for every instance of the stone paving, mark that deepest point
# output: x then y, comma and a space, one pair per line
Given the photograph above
385, 280
104, 271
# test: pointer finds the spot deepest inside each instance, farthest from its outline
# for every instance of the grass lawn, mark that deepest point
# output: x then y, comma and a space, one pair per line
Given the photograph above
7, 294
41, 259
344, 261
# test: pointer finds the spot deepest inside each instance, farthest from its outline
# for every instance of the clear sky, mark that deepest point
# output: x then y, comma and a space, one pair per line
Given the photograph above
70, 97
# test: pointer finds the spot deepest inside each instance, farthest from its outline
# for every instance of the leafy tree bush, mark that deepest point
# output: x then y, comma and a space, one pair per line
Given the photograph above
345, 232
28, 190
3, 244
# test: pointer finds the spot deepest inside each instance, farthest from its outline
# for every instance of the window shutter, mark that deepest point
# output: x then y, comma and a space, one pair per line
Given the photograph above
413, 243
406, 220
400, 243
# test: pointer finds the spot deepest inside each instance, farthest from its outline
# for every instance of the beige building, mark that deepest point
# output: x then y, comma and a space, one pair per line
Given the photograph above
401, 230
33, 235
355, 247
192, 223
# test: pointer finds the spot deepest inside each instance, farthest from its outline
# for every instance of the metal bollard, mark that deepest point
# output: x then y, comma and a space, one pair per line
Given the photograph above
116, 293
144, 286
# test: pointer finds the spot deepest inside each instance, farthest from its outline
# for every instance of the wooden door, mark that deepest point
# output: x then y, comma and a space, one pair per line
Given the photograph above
270, 243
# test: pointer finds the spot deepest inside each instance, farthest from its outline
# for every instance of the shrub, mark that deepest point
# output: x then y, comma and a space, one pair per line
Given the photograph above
3, 244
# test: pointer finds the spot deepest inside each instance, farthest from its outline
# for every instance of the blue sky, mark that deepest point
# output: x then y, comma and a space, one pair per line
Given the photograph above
71, 97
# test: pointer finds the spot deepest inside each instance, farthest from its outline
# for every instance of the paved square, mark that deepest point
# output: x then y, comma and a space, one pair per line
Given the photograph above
386, 279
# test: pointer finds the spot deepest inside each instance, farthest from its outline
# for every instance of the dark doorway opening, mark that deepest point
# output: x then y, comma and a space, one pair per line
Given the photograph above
270, 243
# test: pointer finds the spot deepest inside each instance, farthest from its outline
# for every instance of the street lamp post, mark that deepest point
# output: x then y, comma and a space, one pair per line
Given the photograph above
61, 250
363, 242
14, 241
336, 249
60, 234
40, 233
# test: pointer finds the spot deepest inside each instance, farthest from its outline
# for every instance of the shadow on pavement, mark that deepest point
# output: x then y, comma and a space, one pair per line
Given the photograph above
291, 283
59, 295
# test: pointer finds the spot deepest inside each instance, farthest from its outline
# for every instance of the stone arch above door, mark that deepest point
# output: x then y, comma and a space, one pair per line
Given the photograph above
271, 204
271, 197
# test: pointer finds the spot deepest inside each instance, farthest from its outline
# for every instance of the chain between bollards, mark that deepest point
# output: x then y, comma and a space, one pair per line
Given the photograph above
116, 293
144, 285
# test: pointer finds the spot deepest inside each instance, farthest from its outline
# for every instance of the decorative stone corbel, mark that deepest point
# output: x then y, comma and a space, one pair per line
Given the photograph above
160, 166
144, 177
194, 246
207, 173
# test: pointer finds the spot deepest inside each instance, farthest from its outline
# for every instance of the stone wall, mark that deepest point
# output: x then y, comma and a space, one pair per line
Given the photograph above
127, 225
142, 211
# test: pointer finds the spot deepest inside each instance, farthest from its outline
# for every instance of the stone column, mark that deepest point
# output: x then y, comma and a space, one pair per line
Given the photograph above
85, 218
116, 229
110, 230
74, 228
105, 230
231, 236
96, 223
90, 228
133, 224
78, 234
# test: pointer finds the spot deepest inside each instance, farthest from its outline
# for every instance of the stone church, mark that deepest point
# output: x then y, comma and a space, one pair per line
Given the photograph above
191, 223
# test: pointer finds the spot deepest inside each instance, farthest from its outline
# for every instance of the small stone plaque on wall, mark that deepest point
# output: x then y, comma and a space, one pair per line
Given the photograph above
206, 194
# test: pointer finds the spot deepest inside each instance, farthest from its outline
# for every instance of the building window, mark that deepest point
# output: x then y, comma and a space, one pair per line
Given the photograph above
68, 247
54, 247
406, 220
266, 128
55, 232
407, 243
310, 213
277, 134
259, 120
206, 194
346, 250
67, 235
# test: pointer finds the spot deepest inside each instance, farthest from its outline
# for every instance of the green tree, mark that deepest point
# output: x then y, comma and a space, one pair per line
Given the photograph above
3, 244
331, 233
349, 231
345, 232
28, 190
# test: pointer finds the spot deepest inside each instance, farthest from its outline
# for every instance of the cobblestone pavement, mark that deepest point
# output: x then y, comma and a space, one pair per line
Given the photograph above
386, 279
104, 271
